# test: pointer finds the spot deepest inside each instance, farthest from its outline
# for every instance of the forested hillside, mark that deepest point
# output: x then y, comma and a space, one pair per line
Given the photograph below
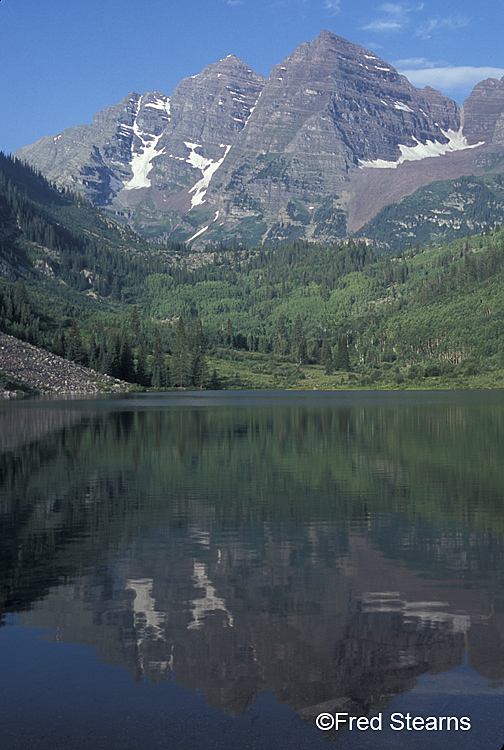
441, 211
296, 315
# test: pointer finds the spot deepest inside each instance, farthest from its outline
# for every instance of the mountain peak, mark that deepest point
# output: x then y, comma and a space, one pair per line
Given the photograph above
484, 112
327, 41
328, 37
230, 64
233, 153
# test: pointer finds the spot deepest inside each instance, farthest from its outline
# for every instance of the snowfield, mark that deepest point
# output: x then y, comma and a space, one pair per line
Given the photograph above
456, 142
207, 168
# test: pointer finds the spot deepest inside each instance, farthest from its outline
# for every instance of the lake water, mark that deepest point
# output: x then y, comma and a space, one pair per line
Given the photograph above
215, 571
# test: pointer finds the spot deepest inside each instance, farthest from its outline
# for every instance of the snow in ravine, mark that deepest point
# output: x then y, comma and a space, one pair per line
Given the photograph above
200, 231
402, 106
141, 161
456, 142
208, 167
197, 234
162, 104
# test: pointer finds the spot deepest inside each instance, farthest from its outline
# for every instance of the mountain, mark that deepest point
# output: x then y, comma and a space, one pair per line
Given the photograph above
314, 151
484, 119
328, 109
149, 158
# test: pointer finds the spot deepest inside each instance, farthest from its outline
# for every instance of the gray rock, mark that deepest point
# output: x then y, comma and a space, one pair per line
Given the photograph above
234, 154
484, 120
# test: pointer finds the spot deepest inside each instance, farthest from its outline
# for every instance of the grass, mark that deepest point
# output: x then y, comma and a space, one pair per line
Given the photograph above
252, 370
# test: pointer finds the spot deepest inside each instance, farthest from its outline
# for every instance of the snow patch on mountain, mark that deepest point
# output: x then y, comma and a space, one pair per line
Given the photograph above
456, 142
141, 159
208, 168
162, 104
402, 106
200, 231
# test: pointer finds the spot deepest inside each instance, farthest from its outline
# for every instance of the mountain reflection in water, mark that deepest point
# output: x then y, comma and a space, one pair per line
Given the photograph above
333, 549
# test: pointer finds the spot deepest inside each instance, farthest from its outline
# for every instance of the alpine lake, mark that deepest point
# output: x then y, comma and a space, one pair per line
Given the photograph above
253, 570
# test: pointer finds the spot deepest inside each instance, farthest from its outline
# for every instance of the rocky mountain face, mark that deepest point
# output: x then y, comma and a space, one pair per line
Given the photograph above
232, 154
150, 158
484, 119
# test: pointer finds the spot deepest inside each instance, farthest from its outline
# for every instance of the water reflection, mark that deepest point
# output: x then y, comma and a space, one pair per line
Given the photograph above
325, 551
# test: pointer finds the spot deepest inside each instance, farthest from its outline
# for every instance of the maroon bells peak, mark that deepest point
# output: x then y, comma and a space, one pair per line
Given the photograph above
314, 151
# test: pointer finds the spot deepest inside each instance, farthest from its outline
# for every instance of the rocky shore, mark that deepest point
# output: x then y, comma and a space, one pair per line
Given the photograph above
40, 372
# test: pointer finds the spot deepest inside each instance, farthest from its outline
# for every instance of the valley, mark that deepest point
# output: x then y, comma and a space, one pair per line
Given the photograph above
328, 227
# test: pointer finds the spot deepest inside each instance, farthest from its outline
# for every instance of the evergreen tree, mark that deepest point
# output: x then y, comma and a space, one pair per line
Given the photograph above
343, 358
126, 363
158, 376
20, 298
199, 368
75, 349
94, 353
302, 352
141, 375
281, 343
327, 356
215, 384
297, 333
59, 343
199, 374
200, 343
313, 351
181, 364
229, 333
135, 323
111, 363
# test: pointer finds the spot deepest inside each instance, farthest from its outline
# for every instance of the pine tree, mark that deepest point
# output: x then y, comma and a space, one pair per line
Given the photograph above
141, 375
215, 384
343, 358
302, 352
75, 349
281, 343
94, 353
200, 339
313, 351
181, 364
126, 363
59, 343
135, 323
199, 373
229, 333
158, 376
297, 333
327, 356
110, 363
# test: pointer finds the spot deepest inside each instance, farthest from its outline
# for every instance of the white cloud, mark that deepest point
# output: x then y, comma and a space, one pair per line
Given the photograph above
395, 16
332, 5
393, 8
450, 77
418, 62
451, 23
384, 25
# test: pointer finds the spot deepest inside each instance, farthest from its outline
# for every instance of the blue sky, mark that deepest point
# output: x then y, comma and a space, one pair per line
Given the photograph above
62, 61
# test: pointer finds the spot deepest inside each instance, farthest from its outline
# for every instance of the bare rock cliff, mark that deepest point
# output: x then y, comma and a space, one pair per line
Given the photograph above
312, 152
